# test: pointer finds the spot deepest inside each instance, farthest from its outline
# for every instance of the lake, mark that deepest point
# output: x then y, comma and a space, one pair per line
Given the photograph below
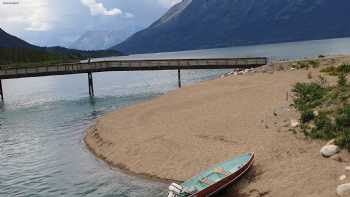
43, 122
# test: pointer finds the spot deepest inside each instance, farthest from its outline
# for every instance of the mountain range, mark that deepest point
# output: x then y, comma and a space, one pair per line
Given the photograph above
103, 39
16, 50
199, 24
10, 41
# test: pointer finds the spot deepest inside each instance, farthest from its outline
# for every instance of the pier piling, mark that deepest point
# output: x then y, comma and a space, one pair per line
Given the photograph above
91, 85
179, 77
95, 65
1, 92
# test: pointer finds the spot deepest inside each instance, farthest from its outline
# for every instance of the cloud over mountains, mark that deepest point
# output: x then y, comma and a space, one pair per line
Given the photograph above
61, 22
169, 3
99, 9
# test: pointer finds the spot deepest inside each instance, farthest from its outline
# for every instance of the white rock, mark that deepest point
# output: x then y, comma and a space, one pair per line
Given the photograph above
329, 150
342, 177
294, 123
347, 168
316, 113
343, 190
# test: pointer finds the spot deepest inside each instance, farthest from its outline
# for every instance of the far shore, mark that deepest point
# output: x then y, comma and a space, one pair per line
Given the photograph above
177, 135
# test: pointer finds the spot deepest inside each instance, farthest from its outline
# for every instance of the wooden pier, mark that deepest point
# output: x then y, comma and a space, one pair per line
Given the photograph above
8, 72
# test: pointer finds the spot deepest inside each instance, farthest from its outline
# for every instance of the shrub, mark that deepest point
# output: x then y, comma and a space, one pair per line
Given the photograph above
343, 139
308, 95
342, 81
324, 128
302, 65
343, 118
333, 103
307, 116
314, 63
343, 127
344, 68
333, 71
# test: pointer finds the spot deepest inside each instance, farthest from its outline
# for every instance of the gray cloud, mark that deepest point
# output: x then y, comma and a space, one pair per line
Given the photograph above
60, 22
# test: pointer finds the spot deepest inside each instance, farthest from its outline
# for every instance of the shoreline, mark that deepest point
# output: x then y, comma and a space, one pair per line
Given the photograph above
123, 167
135, 139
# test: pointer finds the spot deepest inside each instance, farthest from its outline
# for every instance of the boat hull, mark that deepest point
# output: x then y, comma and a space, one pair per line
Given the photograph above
216, 187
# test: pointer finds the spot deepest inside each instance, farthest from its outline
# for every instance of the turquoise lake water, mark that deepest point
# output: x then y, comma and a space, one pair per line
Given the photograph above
43, 122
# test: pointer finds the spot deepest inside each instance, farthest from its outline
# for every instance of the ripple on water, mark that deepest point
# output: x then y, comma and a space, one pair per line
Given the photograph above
42, 152
43, 122
41, 133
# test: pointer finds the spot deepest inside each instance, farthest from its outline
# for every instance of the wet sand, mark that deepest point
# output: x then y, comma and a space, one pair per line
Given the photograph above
179, 134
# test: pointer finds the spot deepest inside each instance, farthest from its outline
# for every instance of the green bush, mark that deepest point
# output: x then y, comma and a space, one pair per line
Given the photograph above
331, 101
333, 104
343, 127
314, 63
334, 71
308, 95
342, 81
331, 70
343, 118
343, 139
344, 68
324, 128
307, 116
302, 65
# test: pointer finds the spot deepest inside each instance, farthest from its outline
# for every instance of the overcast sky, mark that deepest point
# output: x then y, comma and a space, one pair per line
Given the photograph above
60, 22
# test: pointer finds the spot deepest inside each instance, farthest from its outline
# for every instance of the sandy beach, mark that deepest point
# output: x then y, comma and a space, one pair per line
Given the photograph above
179, 134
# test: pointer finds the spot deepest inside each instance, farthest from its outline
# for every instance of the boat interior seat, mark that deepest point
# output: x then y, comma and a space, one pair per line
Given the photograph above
206, 181
222, 171
216, 175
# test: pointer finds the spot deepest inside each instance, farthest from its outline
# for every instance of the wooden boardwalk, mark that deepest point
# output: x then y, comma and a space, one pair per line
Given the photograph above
128, 65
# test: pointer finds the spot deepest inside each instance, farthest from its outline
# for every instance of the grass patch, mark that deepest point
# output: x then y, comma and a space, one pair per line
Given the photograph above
332, 104
337, 70
324, 128
309, 95
307, 64
314, 63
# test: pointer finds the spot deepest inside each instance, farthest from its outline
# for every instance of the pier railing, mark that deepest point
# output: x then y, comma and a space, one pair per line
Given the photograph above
129, 65
10, 72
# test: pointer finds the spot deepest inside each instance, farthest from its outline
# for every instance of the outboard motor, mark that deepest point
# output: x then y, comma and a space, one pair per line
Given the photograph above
175, 190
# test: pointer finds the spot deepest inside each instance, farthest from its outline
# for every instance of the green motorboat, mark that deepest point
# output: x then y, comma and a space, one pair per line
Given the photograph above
214, 179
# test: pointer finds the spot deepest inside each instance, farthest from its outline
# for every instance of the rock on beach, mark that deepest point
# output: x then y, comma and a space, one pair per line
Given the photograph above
329, 150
